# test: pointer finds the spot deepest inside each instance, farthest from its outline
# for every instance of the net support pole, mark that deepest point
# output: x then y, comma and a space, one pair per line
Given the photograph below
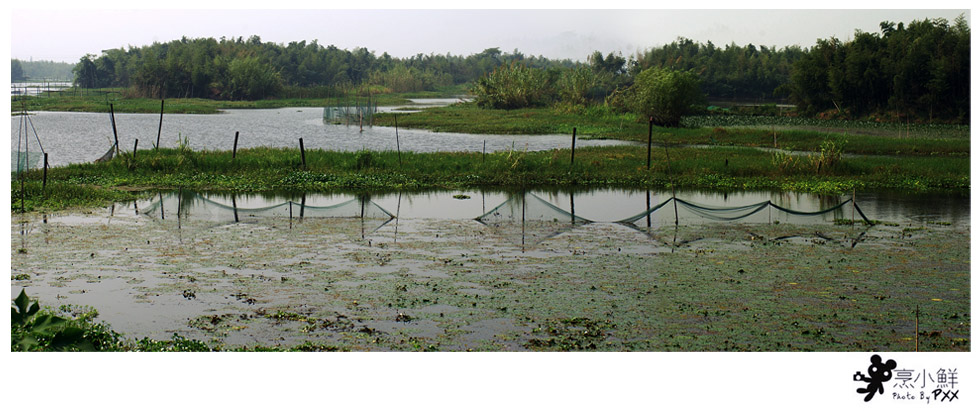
44, 180
397, 140
115, 134
572, 209
159, 130
302, 151
574, 137
234, 206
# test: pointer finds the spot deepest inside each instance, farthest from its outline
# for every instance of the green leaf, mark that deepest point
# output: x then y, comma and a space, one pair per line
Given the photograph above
45, 324
26, 343
67, 337
21, 301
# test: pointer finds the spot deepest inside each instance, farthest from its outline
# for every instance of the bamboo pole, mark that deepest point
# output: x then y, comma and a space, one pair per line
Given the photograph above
44, 181
397, 139
302, 151
112, 116
574, 137
159, 130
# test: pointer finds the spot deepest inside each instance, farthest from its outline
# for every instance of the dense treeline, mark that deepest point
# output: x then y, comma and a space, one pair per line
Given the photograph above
39, 70
252, 69
921, 71
732, 72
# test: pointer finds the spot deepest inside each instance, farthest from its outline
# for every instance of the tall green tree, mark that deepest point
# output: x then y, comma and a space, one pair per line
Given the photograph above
664, 95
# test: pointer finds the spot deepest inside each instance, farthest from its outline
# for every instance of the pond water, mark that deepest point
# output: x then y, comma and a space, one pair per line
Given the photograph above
83, 137
508, 271
600, 206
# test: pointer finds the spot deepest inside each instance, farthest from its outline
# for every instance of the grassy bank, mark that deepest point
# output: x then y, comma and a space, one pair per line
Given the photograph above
100, 103
597, 122
263, 169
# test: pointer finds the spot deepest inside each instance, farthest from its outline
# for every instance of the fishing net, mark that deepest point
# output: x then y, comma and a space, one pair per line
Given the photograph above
529, 220
686, 212
679, 222
23, 161
210, 211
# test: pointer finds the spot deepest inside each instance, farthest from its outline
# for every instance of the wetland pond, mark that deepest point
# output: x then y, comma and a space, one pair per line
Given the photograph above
83, 137
513, 271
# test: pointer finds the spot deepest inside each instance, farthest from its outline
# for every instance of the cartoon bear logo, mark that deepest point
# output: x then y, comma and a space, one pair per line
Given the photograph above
879, 374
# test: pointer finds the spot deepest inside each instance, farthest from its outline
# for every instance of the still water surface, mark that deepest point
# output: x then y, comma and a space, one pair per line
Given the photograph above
602, 205
83, 137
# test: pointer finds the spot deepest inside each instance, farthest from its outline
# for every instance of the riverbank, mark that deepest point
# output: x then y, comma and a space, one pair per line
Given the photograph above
266, 169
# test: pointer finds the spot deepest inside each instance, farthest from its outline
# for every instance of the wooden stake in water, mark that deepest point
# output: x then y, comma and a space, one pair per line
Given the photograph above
397, 139
302, 151
574, 135
44, 181
572, 209
112, 116
234, 205
160, 129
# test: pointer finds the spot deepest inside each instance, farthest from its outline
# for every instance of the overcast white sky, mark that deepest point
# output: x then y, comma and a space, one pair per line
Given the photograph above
55, 34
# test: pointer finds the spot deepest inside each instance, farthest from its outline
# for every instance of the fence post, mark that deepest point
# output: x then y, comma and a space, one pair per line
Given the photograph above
574, 136
44, 181
112, 116
397, 139
160, 129
302, 151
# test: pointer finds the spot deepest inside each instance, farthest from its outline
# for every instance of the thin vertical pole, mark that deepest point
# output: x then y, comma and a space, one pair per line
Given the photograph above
180, 205
302, 207
234, 149
136, 144
234, 205
112, 116
159, 130
397, 139
574, 133
572, 208
302, 151
44, 182
397, 218
484, 151
649, 218
523, 222
669, 167
916, 328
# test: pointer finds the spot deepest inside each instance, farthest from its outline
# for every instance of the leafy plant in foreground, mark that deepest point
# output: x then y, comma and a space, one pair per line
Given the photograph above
34, 331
